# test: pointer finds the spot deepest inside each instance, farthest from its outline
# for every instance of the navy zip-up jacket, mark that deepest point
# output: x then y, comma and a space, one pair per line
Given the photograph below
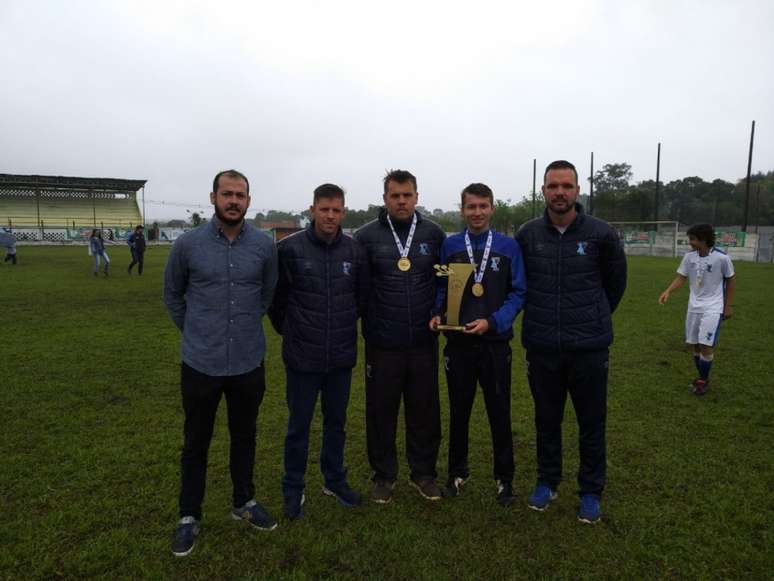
315, 307
575, 281
400, 303
504, 284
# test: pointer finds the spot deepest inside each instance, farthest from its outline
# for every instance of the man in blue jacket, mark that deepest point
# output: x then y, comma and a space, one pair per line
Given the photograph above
315, 310
218, 283
401, 248
576, 277
136, 242
481, 353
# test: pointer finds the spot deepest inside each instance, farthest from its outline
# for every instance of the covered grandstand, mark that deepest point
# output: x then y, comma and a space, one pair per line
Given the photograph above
58, 208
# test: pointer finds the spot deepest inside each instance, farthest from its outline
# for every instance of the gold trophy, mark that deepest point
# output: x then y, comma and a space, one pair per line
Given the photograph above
458, 274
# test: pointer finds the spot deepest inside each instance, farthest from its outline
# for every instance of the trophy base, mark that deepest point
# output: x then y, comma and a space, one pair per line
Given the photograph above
451, 327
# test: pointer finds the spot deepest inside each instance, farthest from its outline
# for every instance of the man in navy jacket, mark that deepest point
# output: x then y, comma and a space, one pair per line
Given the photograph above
401, 248
576, 277
315, 310
481, 353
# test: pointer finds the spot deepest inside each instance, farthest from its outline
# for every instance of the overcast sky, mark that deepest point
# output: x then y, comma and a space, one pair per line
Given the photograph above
295, 94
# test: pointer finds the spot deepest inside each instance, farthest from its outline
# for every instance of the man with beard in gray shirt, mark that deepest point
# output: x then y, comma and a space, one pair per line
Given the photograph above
218, 283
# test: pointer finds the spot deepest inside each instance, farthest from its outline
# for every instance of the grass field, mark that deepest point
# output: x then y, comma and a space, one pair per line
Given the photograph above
92, 428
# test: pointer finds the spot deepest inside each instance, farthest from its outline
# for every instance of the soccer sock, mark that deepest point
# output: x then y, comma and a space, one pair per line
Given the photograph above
705, 364
696, 362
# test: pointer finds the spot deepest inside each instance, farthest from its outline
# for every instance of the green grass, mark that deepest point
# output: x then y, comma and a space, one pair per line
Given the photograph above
92, 428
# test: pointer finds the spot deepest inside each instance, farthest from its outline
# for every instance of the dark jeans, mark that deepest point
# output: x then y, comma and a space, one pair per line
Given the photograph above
412, 375
584, 375
137, 258
201, 396
489, 364
302, 389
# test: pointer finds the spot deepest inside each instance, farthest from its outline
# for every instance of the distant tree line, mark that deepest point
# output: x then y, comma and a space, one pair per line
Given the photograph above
688, 200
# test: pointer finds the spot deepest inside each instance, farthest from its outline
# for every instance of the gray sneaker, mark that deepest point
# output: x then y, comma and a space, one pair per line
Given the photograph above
427, 488
256, 515
184, 537
381, 493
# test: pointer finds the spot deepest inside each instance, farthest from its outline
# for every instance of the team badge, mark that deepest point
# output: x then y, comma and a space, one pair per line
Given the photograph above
495, 264
424, 250
582, 248
346, 267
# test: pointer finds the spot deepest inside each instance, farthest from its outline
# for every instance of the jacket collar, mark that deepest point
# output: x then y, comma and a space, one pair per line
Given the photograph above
383, 218
312, 234
579, 219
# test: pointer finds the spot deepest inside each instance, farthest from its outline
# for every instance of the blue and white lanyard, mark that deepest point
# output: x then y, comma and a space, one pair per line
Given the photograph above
479, 276
403, 250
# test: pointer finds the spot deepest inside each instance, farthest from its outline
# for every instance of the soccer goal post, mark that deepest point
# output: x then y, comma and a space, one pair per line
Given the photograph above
659, 238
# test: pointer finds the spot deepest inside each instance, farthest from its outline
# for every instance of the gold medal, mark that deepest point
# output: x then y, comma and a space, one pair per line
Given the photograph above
478, 289
404, 264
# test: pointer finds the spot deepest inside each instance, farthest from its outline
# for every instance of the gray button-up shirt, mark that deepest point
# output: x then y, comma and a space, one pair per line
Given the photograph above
216, 292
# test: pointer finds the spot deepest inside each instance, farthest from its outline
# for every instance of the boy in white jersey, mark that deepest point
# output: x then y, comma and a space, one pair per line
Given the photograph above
713, 281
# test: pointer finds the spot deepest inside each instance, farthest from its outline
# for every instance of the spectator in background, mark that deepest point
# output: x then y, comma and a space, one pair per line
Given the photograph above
97, 250
136, 242
8, 240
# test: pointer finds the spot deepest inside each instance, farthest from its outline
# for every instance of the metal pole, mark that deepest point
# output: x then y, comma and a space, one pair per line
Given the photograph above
93, 209
758, 209
534, 178
591, 186
658, 173
747, 183
143, 205
37, 202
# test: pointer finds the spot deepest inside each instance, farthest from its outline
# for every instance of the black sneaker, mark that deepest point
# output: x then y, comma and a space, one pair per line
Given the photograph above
505, 494
293, 506
256, 515
381, 493
184, 537
453, 486
427, 488
344, 494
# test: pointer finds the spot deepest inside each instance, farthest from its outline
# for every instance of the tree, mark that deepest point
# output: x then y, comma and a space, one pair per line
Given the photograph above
613, 177
196, 219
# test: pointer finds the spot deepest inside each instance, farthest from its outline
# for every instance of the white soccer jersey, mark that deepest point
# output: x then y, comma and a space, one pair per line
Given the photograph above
707, 276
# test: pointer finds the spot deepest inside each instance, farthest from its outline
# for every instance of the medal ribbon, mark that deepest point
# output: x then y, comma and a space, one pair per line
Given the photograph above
403, 250
479, 276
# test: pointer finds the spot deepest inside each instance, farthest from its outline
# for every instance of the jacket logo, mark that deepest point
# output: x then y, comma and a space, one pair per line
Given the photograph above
424, 250
346, 267
495, 264
446, 360
582, 248
709, 269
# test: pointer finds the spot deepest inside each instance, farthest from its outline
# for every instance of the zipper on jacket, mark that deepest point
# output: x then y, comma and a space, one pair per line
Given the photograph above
328, 306
559, 293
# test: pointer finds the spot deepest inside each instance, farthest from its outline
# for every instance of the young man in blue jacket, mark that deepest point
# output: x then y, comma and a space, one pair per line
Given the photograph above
576, 277
481, 353
315, 309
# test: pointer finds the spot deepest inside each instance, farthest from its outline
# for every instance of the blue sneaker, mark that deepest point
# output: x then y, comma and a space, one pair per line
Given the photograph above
256, 515
589, 511
184, 537
344, 494
541, 497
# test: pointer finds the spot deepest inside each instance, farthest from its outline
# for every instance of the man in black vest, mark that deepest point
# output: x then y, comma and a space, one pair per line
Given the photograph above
401, 351
315, 310
576, 277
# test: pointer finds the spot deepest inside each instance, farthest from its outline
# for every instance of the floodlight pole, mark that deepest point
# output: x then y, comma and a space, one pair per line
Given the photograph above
658, 173
591, 186
747, 182
534, 178
143, 206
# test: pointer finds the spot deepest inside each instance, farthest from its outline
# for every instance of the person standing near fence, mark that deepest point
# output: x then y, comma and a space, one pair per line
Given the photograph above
576, 277
315, 309
713, 283
8, 241
136, 242
218, 283
97, 250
